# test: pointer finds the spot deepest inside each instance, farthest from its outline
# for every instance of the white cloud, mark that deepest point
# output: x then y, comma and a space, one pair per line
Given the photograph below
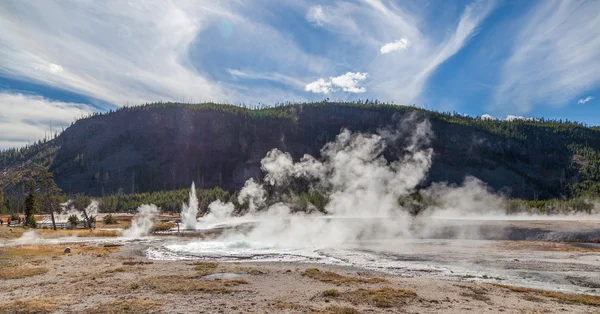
487, 117
584, 100
349, 82
25, 118
397, 45
346, 82
319, 86
556, 56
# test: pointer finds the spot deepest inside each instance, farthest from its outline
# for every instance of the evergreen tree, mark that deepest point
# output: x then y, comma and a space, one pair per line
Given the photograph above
30, 208
2, 208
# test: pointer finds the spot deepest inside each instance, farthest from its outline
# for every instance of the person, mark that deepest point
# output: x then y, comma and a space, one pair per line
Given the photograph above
1, 222
8, 221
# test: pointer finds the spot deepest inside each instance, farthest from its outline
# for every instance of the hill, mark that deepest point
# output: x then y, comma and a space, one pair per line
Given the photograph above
166, 146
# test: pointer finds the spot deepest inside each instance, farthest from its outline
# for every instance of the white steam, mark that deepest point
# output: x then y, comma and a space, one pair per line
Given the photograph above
361, 187
142, 222
190, 211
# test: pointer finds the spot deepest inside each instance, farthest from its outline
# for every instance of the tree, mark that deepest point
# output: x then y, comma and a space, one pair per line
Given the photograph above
87, 208
51, 195
30, 208
1, 201
73, 220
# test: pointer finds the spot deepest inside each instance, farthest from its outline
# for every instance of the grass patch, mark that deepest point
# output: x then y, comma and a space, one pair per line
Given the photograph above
35, 305
329, 276
205, 268
585, 299
384, 297
8, 234
339, 310
127, 306
85, 233
280, 306
189, 284
331, 293
21, 272
162, 226
45, 250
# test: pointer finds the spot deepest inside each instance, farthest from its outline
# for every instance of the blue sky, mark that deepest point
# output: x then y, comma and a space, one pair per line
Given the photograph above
60, 60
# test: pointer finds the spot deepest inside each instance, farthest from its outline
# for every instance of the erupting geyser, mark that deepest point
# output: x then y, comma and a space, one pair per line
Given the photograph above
190, 210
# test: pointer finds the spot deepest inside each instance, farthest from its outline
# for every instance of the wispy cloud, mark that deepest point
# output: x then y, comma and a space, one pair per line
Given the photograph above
275, 77
348, 82
402, 77
584, 100
26, 118
556, 56
127, 51
397, 45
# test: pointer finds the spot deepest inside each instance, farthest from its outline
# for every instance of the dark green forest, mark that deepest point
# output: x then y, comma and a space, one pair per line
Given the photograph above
151, 153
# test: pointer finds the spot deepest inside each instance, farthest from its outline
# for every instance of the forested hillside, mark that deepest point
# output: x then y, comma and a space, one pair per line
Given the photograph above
166, 146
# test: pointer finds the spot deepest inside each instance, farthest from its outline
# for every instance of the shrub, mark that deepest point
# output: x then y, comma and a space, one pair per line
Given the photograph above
73, 220
31, 222
14, 217
109, 220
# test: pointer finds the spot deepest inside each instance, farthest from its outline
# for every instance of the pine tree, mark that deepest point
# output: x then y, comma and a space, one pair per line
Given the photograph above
30, 208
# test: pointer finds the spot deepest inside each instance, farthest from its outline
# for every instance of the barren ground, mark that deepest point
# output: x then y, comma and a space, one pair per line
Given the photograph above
95, 278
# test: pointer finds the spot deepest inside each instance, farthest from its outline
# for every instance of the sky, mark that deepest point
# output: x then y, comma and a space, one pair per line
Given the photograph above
61, 60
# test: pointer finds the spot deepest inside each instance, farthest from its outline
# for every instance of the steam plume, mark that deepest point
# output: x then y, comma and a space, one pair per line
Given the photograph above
189, 211
141, 224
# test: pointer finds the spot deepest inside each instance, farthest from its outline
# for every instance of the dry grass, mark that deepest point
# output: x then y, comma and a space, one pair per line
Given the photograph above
21, 272
384, 297
329, 276
189, 284
205, 268
339, 310
36, 305
46, 250
8, 234
128, 306
331, 293
49, 233
280, 306
162, 226
586, 299
123, 224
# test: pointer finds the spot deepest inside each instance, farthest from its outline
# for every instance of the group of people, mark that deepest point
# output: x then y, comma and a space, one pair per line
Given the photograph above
8, 221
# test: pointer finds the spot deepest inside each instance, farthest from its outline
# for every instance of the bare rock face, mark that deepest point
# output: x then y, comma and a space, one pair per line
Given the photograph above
67, 250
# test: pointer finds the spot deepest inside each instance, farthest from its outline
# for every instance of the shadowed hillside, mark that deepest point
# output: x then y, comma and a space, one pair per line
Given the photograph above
167, 146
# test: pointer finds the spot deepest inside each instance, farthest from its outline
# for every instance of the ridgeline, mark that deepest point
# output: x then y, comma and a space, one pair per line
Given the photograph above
165, 146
